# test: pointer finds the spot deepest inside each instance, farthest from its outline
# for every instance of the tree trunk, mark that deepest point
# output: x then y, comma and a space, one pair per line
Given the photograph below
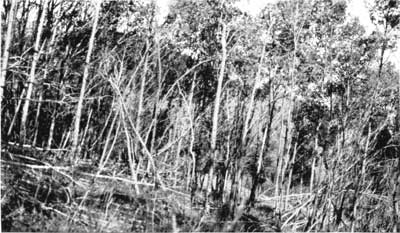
75, 137
1, 43
252, 96
141, 98
264, 148
217, 103
4, 59
31, 79
37, 119
397, 123
46, 72
383, 50
51, 130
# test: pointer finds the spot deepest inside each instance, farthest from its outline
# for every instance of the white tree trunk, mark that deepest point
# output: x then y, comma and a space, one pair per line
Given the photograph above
217, 104
219, 90
75, 137
253, 94
31, 78
4, 59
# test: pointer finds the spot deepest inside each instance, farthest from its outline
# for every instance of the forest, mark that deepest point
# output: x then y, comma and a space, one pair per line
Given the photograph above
207, 120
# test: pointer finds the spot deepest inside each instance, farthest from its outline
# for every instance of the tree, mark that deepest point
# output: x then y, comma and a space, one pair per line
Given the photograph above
31, 80
280, 121
4, 57
75, 138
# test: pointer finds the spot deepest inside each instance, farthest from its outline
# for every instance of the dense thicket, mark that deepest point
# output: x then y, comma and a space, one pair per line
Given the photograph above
209, 119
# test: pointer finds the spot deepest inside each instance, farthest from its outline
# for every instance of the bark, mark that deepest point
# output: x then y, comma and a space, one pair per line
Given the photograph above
293, 159
217, 104
31, 78
37, 119
158, 95
252, 96
78, 115
51, 131
264, 148
1, 39
46, 72
193, 175
289, 124
397, 123
132, 164
1, 43
383, 50
6, 52
141, 100
4, 59
279, 160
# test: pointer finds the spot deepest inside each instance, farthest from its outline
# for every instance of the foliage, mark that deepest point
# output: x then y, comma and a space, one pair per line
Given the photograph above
307, 137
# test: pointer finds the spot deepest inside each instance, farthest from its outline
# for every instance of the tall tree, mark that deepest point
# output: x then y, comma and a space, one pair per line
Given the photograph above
5, 53
75, 136
217, 104
32, 77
